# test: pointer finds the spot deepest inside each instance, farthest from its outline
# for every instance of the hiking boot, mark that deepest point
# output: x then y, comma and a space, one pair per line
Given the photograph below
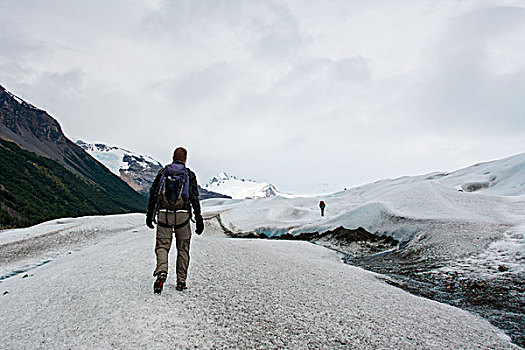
181, 286
159, 283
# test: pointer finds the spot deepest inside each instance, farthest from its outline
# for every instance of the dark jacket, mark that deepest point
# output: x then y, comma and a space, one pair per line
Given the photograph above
194, 195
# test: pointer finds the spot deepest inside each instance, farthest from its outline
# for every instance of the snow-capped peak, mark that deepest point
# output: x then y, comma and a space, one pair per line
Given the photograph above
239, 188
223, 176
118, 159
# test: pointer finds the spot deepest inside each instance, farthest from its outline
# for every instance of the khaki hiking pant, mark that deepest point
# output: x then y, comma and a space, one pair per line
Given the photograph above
182, 239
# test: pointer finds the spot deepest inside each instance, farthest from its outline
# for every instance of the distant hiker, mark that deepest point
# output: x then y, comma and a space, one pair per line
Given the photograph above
172, 196
322, 206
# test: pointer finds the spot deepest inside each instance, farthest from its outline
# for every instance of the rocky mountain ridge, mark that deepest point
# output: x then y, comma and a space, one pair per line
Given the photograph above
27, 128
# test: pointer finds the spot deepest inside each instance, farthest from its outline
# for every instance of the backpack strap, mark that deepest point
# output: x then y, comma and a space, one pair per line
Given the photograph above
156, 209
174, 227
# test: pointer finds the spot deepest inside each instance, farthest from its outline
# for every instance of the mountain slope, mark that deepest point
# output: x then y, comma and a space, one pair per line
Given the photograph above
34, 130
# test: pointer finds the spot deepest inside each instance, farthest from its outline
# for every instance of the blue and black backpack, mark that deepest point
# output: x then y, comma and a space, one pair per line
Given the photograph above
174, 190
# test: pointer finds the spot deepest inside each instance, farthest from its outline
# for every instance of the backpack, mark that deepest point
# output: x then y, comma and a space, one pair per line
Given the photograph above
174, 190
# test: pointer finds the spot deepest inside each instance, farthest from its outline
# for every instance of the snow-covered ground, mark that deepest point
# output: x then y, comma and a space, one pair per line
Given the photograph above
242, 294
476, 213
26, 248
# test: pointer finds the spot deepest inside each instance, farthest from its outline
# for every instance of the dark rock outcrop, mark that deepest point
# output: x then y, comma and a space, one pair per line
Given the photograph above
205, 194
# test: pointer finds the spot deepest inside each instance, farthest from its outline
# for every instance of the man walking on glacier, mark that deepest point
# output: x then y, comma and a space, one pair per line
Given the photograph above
173, 196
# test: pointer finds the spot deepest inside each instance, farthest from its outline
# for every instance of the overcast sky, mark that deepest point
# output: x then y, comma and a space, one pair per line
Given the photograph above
296, 93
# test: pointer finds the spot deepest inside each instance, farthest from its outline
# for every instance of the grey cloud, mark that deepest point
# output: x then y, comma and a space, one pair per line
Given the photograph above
363, 89
264, 30
481, 25
213, 86
463, 94
463, 88
13, 47
281, 37
312, 88
325, 73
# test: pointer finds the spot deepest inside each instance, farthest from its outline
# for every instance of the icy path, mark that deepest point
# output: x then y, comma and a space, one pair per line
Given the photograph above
243, 294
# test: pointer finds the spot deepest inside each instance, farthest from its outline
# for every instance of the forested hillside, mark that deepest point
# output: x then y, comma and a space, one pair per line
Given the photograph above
34, 189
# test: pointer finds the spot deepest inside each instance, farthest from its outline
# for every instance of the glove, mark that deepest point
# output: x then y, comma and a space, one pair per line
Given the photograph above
149, 222
199, 223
